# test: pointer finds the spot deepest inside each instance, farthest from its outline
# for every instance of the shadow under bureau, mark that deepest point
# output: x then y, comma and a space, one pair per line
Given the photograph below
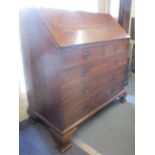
75, 64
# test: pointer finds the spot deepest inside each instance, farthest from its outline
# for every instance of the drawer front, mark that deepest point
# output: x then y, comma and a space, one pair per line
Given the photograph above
74, 94
108, 92
73, 114
116, 47
75, 56
91, 70
82, 55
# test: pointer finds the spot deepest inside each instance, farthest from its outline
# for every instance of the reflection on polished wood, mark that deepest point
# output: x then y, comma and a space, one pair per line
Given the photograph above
72, 28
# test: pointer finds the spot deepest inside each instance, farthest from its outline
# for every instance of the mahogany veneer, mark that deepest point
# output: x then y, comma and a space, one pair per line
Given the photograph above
75, 64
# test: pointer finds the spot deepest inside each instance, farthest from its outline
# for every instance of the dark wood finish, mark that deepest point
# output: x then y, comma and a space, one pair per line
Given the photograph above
75, 112
74, 28
75, 64
101, 106
91, 70
124, 14
83, 90
63, 139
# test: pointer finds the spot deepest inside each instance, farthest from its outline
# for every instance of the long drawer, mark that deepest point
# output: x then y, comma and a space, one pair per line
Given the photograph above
70, 76
74, 94
74, 113
82, 55
110, 90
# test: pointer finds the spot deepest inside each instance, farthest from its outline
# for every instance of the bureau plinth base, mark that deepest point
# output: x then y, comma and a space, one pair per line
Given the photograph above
63, 139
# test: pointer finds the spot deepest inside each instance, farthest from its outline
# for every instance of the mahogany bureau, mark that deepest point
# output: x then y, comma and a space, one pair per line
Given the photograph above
75, 64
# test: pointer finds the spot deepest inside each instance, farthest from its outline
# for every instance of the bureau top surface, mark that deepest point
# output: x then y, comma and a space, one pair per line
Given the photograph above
70, 28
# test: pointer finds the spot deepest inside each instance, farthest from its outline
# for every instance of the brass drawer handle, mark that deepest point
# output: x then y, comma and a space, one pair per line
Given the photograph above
86, 55
86, 90
84, 71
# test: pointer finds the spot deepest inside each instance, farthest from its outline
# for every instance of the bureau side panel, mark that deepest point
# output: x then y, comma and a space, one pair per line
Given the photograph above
42, 67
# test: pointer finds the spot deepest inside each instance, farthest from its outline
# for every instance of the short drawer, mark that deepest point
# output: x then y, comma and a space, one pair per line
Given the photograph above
93, 69
116, 47
75, 56
73, 94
